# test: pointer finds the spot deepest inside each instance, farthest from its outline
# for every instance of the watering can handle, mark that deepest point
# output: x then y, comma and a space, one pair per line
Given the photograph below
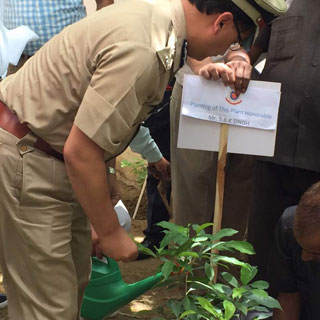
112, 264
105, 265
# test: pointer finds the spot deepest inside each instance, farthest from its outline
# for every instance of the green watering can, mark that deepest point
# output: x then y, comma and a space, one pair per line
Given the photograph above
107, 292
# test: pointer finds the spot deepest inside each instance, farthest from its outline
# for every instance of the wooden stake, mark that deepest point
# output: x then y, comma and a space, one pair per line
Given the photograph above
139, 199
218, 205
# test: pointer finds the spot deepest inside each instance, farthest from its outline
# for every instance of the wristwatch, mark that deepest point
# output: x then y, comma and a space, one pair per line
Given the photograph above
111, 170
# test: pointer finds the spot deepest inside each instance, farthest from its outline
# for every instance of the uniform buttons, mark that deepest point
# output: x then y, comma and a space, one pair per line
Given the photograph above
314, 63
23, 148
307, 95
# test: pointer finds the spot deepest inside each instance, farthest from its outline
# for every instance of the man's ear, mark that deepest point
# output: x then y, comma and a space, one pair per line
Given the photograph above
222, 20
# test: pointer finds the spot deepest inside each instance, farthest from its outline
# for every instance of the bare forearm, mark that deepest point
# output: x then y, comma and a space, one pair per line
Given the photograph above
87, 174
196, 65
290, 303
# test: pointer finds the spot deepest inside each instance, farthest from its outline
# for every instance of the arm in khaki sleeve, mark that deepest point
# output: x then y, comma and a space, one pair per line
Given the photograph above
87, 173
103, 3
290, 303
103, 122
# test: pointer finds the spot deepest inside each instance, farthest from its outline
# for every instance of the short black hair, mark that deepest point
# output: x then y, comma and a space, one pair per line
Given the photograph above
218, 6
307, 217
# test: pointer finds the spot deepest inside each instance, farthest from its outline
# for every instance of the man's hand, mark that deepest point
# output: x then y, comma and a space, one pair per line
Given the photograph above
216, 71
239, 62
160, 169
119, 246
86, 169
242, 73
120, 249
96, 250
235, 72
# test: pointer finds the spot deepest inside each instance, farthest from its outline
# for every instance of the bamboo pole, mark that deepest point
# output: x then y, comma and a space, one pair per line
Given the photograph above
139, 199
218, 205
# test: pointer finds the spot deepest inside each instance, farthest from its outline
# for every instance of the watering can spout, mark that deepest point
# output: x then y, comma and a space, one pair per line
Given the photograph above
144, 285
107, 292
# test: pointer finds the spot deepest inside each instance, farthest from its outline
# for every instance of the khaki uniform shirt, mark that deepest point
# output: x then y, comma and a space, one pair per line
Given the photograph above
103, 73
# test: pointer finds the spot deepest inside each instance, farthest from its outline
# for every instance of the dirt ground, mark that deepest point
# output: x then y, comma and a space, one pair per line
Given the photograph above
133, 272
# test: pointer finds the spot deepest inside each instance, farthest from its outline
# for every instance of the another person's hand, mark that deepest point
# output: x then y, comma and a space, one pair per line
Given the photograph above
235, 74
239, 62
242, 74
160, 169
216, 71
119, 246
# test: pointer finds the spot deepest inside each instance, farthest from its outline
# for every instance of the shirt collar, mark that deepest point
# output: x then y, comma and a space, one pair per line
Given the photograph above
178, 19
179, 25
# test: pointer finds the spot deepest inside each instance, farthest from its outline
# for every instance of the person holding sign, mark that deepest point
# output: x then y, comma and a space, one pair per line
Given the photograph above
194, 171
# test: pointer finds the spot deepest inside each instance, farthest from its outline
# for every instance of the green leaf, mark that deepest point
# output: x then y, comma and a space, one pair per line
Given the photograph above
170, 236
222, 288
265, 301
173, 227
174, 306
145, 250
167, 268
259, 292
238, 292
186, 303
242, 307
247, 273
227, 232
241, 246
230, 279
264, 316
188, 254
260, 284
200, 285
209, 270
185, 246
229, 309
186, 313
205, 304
261, 309
231, 260
202, 227
200, 239
214, 246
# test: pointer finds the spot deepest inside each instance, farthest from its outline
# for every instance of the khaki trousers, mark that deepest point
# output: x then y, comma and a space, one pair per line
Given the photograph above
44, 234
194, 178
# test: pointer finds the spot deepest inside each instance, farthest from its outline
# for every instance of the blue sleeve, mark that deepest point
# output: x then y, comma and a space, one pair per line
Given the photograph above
145, 145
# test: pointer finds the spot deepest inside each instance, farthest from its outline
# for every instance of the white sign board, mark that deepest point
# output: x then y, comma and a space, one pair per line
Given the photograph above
205, 102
